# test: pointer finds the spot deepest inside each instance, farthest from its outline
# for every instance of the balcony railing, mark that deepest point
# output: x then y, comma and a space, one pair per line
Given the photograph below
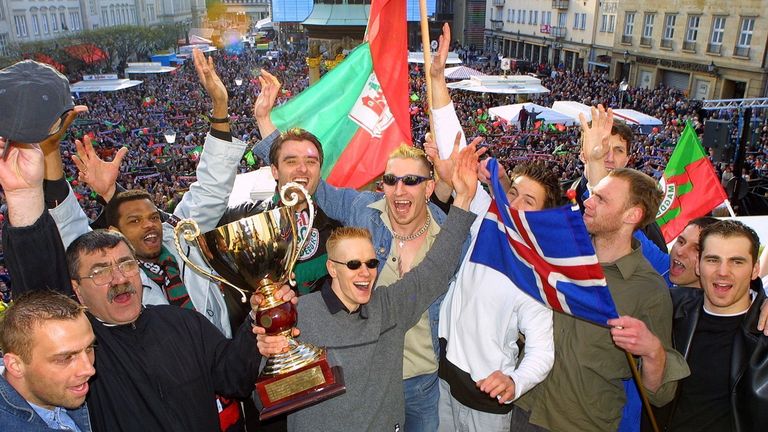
667, 43
559, 4
646, 41
689, 46
714, 48
498, 3
740, 51
497, 24
626, 39
559, 32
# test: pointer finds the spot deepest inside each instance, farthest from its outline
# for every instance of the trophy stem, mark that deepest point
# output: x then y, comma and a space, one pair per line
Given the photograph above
268, 290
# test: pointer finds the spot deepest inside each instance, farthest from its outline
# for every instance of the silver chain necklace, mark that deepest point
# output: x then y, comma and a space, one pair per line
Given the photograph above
402, 239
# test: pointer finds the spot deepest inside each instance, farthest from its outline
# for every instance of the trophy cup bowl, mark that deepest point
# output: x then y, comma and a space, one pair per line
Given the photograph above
258, 254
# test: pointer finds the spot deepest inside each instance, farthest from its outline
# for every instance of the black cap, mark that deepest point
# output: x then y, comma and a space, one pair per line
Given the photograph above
33, 95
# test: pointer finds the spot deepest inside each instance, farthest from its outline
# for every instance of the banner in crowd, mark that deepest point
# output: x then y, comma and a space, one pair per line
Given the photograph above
359, 109
691, 187
548, 254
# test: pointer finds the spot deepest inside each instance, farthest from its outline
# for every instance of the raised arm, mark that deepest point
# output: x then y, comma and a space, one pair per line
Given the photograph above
262, 108
594, 143
34, 253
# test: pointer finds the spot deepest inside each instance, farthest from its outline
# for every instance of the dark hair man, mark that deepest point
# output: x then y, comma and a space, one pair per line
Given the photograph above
48, 344
715, 328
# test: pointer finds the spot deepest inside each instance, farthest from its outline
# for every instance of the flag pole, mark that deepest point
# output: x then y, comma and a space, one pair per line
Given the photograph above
427, 58
641, 389
730, 209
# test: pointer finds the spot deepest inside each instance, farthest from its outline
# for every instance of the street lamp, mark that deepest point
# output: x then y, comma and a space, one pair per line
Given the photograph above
711, 68
170, 136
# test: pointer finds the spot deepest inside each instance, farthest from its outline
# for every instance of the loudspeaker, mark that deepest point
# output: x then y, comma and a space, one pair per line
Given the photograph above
716, 137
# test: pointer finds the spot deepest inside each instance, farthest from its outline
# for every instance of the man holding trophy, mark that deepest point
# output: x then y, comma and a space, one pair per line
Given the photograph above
362, 331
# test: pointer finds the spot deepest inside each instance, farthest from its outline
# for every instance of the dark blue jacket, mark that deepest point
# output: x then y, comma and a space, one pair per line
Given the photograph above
16, 415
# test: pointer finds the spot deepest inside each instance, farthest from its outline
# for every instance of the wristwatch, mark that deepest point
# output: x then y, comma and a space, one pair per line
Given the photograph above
218, 119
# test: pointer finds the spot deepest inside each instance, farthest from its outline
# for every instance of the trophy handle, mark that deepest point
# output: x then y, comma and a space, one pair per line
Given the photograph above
311, 209
189, 229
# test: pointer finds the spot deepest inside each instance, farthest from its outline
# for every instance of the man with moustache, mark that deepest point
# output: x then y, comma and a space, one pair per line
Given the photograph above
164, 276
159, 367
48, 348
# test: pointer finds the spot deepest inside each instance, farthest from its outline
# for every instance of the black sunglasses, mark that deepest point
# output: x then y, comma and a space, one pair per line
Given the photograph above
355, 264
408, 180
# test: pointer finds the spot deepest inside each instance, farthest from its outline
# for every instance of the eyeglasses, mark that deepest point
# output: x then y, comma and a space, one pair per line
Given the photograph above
105, 275
408, 179
355, 264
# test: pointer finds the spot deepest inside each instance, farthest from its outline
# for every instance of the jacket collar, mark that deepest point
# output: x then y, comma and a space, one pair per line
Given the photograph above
13, 400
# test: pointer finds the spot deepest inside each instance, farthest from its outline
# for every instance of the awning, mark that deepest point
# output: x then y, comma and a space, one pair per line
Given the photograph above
573, 109
148, 68
511, 113
338, 15
418, 57
598, 64
461, 72
510, 84
102, 85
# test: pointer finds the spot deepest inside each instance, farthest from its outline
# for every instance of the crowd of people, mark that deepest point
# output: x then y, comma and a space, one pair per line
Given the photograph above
400, 285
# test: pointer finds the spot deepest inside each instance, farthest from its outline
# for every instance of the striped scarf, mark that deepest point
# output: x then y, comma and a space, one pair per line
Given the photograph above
165, 273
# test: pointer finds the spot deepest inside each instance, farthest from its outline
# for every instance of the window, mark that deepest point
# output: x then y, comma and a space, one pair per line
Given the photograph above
530, 18
54, 22
4, 41
669, 26
718, 27
648, 25
604, 23
583, 21
692, 32
151, 13
20, 22
74, 18
104, 16
63, 17
112, 14
611, 23
745, 36
562, 19
35, 25
629, 23
2, 18
535, 17
44, 16
576, 18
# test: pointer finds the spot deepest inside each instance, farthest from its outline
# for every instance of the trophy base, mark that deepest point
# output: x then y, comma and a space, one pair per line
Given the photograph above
298, 389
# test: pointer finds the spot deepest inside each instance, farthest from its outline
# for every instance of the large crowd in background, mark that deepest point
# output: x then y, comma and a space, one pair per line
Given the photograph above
141, 116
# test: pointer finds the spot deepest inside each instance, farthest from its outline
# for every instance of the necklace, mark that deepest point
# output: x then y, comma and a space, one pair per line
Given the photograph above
402, 239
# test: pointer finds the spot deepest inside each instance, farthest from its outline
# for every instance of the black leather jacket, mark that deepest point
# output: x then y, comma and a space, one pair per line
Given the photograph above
749, 358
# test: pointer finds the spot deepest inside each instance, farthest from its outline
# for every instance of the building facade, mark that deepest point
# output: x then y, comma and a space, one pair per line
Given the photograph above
559, 32
712, 50
32, 20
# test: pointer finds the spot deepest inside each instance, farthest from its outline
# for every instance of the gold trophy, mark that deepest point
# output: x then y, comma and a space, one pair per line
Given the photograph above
258, 253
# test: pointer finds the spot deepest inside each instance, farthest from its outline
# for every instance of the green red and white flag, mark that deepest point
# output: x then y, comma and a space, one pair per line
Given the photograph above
359, 110
691, 187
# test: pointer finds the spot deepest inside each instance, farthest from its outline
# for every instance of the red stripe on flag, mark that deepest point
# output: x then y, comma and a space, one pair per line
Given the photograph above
388, 36
364, 158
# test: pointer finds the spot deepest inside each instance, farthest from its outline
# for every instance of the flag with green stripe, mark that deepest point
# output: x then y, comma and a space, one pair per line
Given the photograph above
691, 187
359, 110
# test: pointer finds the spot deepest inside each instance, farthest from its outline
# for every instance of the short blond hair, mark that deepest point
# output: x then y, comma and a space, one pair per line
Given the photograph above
404, 151
344, 233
